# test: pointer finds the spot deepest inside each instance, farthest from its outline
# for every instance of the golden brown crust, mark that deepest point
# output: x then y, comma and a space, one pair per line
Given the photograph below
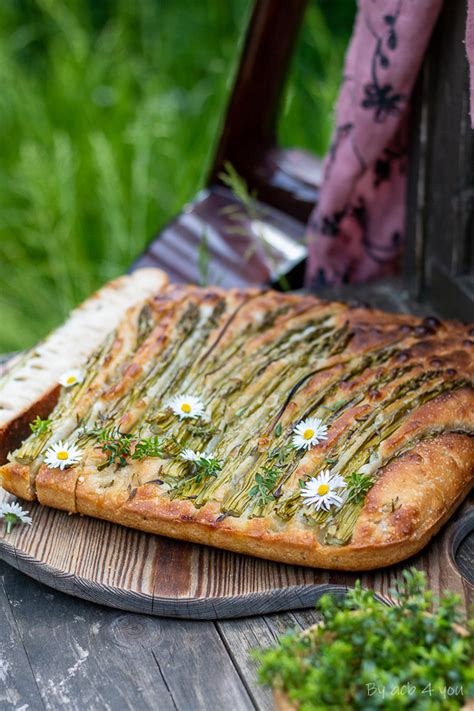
16, 478
417, 491
425, 486
57, 488
387, 385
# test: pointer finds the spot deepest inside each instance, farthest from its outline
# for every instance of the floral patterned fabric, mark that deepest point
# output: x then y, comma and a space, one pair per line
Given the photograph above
356, 231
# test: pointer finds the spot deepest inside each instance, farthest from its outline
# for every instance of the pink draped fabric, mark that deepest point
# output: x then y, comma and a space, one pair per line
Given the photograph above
356, 231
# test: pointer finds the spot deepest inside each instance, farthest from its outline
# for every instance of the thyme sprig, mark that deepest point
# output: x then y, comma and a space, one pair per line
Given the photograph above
200, 470
265, 481
115, 445
120, 447
39, 426
279, 455
358, 486
148, 447
420, 642
206, 467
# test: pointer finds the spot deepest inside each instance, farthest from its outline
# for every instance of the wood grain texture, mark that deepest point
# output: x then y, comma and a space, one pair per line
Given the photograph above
104, 659
439, 242
85, 656
16, 690
123, 568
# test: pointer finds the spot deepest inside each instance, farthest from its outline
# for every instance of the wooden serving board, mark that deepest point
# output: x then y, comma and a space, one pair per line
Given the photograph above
140, 572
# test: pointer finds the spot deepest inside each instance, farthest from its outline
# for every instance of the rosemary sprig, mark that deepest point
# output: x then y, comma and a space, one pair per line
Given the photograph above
39, 426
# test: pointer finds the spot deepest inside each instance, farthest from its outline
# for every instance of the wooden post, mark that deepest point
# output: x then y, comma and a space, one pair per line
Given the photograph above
440, 220
286, 179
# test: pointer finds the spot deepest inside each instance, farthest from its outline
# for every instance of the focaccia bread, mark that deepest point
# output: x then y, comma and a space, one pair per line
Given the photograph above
29, 385
271, 424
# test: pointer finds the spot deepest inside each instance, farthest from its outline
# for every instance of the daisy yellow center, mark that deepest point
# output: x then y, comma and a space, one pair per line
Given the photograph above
186, 407
308, 434
71, 380
62, 455
323, 489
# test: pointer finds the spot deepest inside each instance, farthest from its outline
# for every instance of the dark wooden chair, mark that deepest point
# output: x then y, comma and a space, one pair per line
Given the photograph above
262, 242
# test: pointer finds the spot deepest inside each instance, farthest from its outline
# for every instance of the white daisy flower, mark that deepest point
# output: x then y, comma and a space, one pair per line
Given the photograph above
187, 406
308, 433
323, 491
189, 455
13, 513
62, 455
71, 377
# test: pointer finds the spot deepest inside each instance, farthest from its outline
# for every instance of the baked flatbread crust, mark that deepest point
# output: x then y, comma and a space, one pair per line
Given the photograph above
394, 392
29, 384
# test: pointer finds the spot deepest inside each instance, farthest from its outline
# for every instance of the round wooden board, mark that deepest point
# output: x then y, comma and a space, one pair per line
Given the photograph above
140, 572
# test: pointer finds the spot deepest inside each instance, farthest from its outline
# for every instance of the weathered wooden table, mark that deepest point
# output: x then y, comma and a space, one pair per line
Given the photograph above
61, 652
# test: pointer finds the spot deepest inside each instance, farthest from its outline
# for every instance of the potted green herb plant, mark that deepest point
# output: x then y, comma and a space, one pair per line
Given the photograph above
364, 654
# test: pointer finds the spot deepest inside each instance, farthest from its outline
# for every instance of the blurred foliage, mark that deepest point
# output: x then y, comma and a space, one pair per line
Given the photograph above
307, 117
109, 113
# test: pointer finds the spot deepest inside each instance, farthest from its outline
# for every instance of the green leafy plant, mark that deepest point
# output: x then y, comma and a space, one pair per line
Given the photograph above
358, 486
264, 483
81, 197
206, 467
148, 447
120, 447
39, 426
364, 654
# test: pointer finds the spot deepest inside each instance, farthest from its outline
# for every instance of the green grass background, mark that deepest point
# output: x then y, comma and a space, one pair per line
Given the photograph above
109, 114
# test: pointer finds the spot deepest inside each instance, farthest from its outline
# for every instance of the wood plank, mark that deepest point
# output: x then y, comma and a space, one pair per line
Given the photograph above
18, 688
197, 667
82, 655
465, 557
86, 656
243, 636
440, 258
